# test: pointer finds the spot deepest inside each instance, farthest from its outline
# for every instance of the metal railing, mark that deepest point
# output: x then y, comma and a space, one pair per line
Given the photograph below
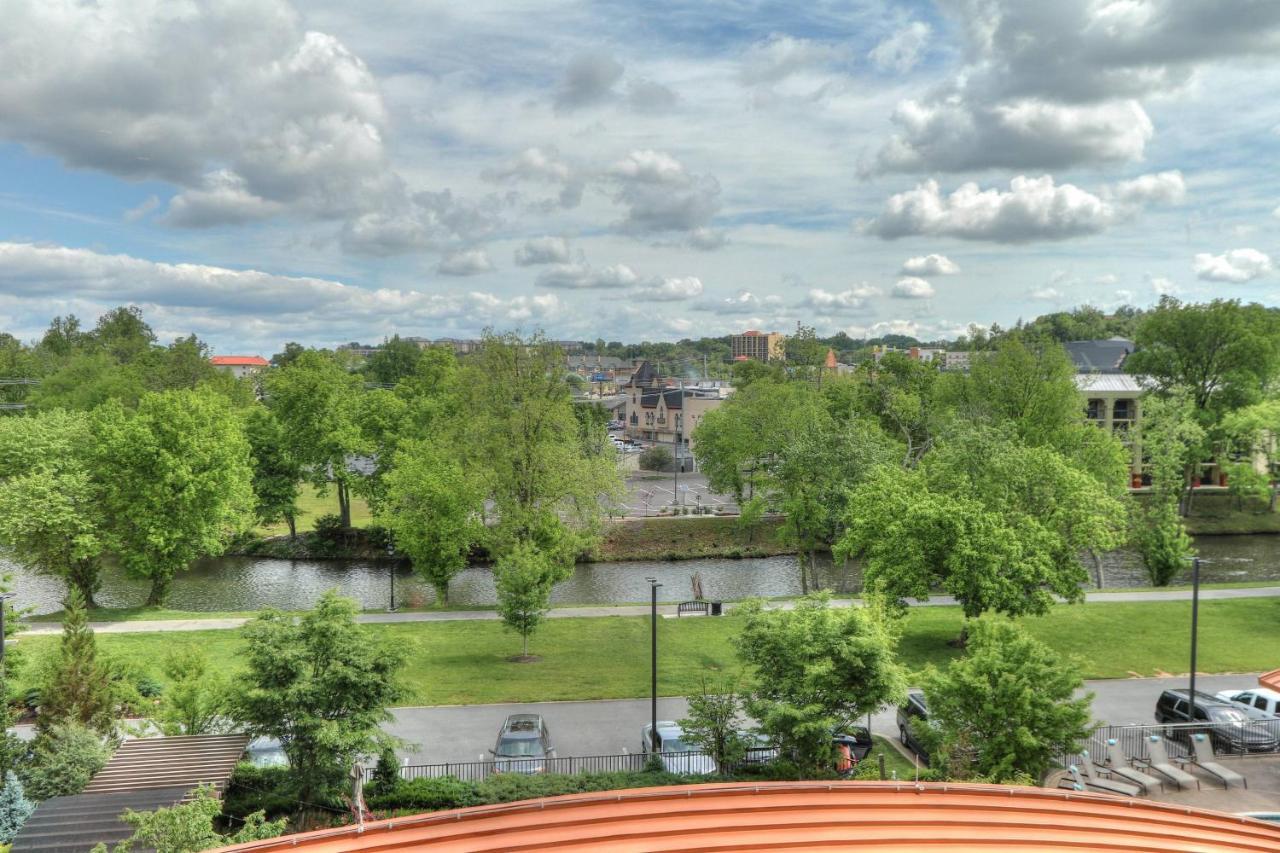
475, 771
1256, 737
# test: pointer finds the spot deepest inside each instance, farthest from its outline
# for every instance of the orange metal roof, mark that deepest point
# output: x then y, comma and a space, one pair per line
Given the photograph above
239, 361
1270, 679
805, 816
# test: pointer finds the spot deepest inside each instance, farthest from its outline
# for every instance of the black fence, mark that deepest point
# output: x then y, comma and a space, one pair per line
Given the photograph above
691, 763
1255, 737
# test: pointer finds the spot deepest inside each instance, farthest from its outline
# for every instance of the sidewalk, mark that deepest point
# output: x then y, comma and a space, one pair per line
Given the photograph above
37, 629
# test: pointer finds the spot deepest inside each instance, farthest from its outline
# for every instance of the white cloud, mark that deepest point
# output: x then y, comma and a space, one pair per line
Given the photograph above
426, 221
1107, 279
742, 302
780, 56
543, 165
1159, 188
465, 262
1237, 266
661, 196
903, 50
543, 250
1032, 209
589, 79
1046, 294
1161, 285
579, 276
148, 206
670, 289
930, 265
879, 329
910, 287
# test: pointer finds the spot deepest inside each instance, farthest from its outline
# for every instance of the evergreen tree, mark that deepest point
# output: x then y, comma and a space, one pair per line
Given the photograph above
79, 687
15, 808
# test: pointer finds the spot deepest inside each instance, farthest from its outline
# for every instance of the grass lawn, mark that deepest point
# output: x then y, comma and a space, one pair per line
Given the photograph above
894, 761
311, 505
454, 663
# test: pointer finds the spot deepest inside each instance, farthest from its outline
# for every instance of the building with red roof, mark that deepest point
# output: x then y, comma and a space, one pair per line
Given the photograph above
240, 366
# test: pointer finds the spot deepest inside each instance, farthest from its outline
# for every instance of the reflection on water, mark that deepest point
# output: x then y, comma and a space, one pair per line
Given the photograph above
249, 583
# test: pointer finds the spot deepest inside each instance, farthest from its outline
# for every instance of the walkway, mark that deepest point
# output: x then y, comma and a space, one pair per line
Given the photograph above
36, 629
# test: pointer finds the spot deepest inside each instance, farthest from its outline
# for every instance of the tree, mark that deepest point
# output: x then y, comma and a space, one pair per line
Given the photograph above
86, 380
522, 432
176, 481
15, 808
525, 575
433, 506
292, 350
188, 827
657, 458
393, 361
79, 686
1172, 443
1163, 542
276, 473
818, 670
197, 698
1006, 709
805, 353
123, 334
63, 760
901, 393
321, 684
315, 401
51, 515
1222, 352
994, 522
713, 724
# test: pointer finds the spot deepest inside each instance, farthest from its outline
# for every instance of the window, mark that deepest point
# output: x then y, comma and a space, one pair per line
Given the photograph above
1260, 702
1093, 411
1122, 410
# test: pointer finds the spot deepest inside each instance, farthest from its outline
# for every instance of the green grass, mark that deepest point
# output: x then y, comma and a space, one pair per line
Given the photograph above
311, 505
1216, 514
893, 759
688, 537
454, 663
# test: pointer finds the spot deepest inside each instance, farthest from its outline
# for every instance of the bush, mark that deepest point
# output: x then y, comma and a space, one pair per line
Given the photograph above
15, 808
448, 792
266, 789
328, 528
377, 537
63, 760
387, 772
657, 458
148, 687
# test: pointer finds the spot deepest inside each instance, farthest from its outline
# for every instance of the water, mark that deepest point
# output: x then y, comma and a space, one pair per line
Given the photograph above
249, 583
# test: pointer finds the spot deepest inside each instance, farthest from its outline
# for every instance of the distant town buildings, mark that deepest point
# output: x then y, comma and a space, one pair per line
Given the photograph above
240, 366
667, 411
760, 346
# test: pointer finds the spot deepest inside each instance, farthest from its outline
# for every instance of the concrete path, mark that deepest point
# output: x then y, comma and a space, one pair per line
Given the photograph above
36, 629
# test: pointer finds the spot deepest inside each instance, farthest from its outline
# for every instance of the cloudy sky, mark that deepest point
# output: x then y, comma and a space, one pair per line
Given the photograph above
256, 171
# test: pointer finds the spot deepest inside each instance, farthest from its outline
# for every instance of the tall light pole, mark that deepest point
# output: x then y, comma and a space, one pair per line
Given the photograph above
653, 661
391, 555
1195, 618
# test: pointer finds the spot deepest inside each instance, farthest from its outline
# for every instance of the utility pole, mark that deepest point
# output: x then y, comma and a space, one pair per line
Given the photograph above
391, 555
1195, 616
653, 662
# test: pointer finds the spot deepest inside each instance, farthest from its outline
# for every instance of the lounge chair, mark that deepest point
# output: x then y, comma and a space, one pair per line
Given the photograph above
1118, 765
1204, 759
1095, 781
1158, 761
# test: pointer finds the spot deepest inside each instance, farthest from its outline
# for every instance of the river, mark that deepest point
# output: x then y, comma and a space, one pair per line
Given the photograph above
249, 583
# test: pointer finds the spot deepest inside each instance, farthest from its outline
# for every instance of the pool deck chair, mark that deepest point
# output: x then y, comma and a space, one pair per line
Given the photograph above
1204, 759
1120, 766
1093, 780
1158, 761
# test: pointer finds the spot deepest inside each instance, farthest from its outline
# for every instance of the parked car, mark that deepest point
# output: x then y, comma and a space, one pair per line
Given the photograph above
1232, 728
1258, 698
266, 752
676, 754
913, 709
524, 744
760, 748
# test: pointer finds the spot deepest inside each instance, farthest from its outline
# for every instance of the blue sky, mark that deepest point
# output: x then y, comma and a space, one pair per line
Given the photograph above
255, 171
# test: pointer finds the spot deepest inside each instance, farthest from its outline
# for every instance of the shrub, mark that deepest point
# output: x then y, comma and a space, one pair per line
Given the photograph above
448, 792
15, 808
657, 458
266, 789
387, 772
63, 760
148, 687
328, 528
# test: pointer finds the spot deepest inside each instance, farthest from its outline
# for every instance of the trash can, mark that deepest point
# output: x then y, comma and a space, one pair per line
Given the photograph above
715, 608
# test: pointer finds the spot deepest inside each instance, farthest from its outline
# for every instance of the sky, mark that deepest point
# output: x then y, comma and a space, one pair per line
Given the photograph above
256, 172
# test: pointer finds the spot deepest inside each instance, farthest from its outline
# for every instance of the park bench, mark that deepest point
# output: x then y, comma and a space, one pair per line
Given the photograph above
702, 607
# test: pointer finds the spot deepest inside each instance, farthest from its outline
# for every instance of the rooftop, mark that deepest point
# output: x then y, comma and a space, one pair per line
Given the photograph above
1110, 382
238, 361
1101, 356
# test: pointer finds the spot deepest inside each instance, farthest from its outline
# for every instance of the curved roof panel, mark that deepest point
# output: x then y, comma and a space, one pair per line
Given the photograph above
801, 816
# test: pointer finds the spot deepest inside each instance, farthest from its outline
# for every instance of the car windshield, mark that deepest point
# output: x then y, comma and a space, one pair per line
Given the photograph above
520, 748
1228, 715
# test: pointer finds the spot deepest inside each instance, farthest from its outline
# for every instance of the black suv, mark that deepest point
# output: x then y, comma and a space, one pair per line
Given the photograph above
913, 709
523, 745
1231, 727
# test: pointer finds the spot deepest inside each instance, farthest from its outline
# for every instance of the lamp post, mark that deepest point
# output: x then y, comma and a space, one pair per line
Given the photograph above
391, 555
4, 596
1195, 618
653, 661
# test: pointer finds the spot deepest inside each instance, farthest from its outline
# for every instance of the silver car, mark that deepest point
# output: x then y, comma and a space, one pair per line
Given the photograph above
676, 754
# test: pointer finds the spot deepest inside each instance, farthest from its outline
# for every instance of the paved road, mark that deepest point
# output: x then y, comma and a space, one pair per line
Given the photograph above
36, 629
466, 733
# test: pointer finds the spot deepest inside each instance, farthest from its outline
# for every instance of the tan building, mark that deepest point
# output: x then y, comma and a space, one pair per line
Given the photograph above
1113, 401
240, 366
761, 346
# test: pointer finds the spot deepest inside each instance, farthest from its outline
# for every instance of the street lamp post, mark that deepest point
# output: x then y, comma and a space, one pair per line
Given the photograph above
391, 555
1195, 618
653, 661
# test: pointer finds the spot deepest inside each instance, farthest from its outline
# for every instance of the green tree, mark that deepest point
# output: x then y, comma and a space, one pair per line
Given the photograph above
123, 334
276, 473
434, 508
188, 827
15, 808
176, 479
50, 507
315, 401
805, 353
525, 575
901, 393
393, 361
197, 698
292, 350
1163, 542
657, 458
818, 671
381, 417
86, 380
63, 760
714, 725
1006, 709
1172, 444
78, 688
994, 522
1223, 353
321, 684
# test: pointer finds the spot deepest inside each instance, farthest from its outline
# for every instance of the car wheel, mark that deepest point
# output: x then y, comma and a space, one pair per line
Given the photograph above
902, 736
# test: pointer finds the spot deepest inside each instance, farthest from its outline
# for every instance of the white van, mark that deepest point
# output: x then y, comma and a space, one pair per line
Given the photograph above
1259, 698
